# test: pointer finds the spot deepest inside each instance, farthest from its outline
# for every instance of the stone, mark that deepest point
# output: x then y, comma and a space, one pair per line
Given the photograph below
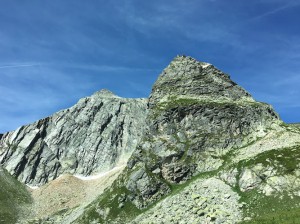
248, 180
95, 135
196, 111
247, 218
227, 196
195, 196
195, 119
121, 205
215, 210
229, 176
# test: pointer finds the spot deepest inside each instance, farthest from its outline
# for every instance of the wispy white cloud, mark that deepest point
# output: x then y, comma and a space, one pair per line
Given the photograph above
288, 81
18, 65
276, 10
106, 68
174, 21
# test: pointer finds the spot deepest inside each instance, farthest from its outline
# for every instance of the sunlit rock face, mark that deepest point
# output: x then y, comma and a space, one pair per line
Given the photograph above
193, 150
196, 116
95, 135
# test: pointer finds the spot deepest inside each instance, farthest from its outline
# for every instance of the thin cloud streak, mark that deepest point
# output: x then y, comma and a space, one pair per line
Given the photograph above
18, 66
106, 68
276, 10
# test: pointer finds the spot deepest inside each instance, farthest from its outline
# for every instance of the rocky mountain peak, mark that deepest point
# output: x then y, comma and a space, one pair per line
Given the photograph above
186, 77
95, 135
190, 150
197, 115
181, 61
105, 93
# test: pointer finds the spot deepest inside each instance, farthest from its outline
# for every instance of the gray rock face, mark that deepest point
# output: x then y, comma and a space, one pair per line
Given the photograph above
197, 115
248, 180
188, 77
196, 120
204, 201
96, 134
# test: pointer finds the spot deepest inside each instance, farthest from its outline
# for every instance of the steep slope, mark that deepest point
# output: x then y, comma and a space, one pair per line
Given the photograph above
14, 198
97, 134
68, 194
197, 118
257, 183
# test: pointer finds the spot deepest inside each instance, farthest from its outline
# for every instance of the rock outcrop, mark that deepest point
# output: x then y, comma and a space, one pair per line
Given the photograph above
199, 150
270, 172
203, 201
197, 116
95, 135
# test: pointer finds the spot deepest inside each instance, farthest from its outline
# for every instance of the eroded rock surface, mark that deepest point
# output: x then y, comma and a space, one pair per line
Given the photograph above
203, 201
197, 115
204, 151
95, 135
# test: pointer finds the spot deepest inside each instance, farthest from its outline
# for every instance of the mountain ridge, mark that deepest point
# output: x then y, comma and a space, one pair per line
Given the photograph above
187, 135
197, 129
56, 137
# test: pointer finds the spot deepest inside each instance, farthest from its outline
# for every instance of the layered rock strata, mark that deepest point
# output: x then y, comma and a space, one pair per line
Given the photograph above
95, 135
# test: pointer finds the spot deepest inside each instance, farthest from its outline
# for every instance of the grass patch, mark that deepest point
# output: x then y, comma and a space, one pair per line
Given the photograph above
285, 161
13, 197
129, 211
175, 102
106, 207
111, 209
279, 208
270, 209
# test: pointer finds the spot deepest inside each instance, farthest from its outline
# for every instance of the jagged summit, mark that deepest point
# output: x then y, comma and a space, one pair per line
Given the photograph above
105, 93
188, 60
187, 77
196, 116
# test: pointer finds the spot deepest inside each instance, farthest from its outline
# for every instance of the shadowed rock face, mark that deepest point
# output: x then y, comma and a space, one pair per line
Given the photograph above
95, 135
196, 116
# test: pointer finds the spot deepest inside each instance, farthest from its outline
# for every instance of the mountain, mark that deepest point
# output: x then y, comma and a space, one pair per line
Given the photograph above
200, 149
95, 135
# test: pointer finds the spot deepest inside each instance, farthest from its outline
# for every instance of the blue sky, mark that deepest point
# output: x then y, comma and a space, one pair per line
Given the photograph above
55, 52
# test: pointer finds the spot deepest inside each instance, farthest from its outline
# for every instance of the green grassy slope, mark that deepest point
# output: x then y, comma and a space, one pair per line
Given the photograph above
279, 208
14, 198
